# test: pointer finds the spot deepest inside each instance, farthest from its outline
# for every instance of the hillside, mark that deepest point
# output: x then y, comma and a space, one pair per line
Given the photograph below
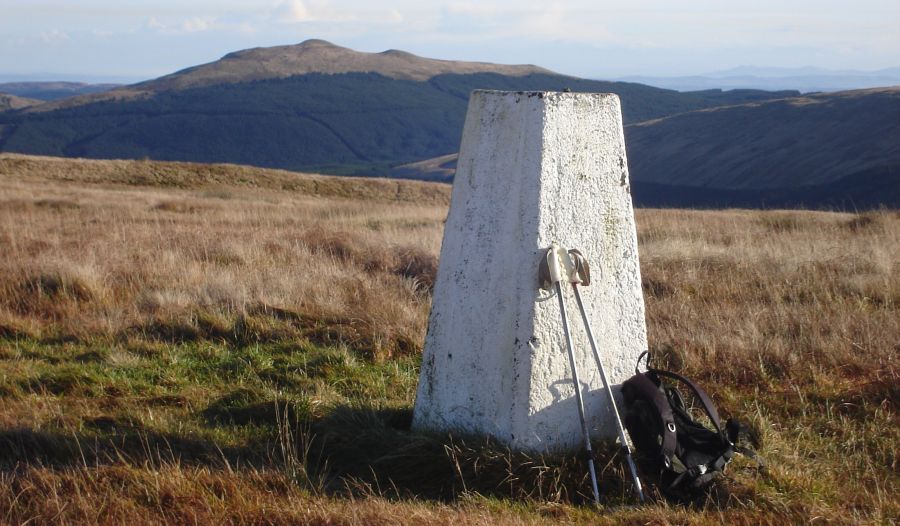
312, 106
14, 102
211, 176
832, 151
44, 91
191, 344
864, 190
319, 56
816, 139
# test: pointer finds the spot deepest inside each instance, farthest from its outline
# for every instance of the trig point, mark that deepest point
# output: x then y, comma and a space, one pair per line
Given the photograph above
534, 167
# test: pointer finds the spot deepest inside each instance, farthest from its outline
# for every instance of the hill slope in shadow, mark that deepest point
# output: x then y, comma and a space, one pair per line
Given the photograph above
313, 106
788, 143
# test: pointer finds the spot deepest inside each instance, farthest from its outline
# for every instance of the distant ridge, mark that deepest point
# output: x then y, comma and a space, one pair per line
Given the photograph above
182, 175
870, 188
804, 79
313, 106
308, 57
834, 150
13, 102
53, 90
320, 56
795, 142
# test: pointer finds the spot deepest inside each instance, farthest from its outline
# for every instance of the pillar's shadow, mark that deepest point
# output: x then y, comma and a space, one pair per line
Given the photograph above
365, 449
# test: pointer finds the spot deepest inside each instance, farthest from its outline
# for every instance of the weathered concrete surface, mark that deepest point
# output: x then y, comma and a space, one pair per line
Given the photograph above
534, 167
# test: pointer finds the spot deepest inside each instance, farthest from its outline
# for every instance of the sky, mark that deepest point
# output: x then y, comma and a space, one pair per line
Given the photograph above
130, 40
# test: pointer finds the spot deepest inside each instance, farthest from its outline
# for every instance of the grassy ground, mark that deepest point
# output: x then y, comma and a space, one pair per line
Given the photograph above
175, 348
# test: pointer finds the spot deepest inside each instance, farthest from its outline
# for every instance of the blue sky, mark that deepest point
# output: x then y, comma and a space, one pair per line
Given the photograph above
139, 39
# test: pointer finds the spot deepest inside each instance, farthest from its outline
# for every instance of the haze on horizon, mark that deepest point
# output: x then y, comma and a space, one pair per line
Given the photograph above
139, 39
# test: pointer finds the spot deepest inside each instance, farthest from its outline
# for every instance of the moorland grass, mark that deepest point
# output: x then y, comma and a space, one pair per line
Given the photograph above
247, 353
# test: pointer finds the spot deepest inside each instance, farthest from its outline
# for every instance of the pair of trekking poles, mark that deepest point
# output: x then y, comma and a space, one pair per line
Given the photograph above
571, 266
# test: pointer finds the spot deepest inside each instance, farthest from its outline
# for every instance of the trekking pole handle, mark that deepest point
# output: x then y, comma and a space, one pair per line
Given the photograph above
558, 266
553, 261
581, 273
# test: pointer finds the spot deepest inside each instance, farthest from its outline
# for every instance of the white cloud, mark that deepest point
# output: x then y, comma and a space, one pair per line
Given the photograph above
557, 21
196, 24
325, 11
294, 11
471, 9
153, 23
185, 26
54, 35
395, 16
245, 28
570, 35
298, 11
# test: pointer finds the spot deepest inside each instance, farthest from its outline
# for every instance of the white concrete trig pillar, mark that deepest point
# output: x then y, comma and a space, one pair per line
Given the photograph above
534, 167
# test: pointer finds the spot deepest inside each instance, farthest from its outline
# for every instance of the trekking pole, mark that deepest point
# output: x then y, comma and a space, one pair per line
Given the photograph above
558, 267
583, 270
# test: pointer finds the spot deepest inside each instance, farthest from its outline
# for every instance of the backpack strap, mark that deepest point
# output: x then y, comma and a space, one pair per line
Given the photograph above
701, 395
650, 390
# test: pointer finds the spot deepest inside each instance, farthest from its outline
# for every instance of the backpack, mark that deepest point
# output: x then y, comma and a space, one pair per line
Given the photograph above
687, 454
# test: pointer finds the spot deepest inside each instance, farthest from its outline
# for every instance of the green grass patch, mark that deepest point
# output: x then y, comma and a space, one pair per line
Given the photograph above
337, 421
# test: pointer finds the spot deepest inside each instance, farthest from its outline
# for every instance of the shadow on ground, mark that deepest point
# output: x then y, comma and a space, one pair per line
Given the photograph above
350, 451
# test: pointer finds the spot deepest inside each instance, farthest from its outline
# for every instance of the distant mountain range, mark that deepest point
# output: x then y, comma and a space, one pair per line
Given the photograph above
53, 90
311, 106
320, 107
802, 79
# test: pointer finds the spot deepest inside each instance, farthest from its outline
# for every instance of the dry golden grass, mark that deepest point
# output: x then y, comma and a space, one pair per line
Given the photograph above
176, 494
786, 295
215, 178
141, 301
83, 262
